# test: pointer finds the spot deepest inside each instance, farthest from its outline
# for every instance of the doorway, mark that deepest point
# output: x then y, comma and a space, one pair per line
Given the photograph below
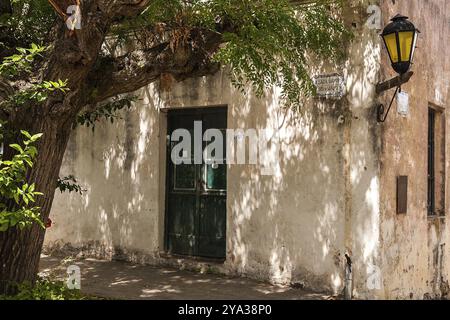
196, 193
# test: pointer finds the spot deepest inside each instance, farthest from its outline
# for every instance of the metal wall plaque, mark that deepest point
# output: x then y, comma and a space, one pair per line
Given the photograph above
330, 86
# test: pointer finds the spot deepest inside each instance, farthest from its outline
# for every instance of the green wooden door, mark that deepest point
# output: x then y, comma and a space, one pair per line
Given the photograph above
196, 193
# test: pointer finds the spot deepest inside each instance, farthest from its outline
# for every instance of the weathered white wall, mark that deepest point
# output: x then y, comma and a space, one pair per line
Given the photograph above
118, 165
294, 226
284, 227
363, 184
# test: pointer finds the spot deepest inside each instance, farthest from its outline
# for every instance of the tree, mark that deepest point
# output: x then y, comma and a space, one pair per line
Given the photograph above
123, 45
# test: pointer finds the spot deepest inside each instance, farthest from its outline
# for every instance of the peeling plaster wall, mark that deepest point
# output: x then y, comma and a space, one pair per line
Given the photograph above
295, 226
412, 244
117, 165
363, 176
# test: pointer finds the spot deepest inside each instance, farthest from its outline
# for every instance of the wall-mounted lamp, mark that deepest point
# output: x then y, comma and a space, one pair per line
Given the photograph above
400, 37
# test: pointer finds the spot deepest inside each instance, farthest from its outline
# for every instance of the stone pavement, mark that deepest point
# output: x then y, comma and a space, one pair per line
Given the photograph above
121, 280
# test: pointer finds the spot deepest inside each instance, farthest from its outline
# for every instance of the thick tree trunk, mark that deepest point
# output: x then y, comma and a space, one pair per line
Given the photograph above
72, 57
20, 249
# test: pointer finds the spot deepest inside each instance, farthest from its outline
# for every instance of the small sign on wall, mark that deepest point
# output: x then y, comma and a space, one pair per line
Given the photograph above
403, 103
330, 86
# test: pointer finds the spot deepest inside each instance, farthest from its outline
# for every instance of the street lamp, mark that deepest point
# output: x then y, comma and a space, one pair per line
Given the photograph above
400, 37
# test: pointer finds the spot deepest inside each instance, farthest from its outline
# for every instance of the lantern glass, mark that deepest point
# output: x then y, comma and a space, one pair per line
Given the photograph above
391, 44
406, 39
414, 46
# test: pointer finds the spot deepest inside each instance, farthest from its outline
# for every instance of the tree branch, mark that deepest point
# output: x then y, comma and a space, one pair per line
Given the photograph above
57, 9
134, 70
123, 8
5, 89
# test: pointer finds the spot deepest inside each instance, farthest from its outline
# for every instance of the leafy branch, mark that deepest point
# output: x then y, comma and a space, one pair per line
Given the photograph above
264, 43
20, 62
13, 186
106, 111
37, 92
16, 193
69, 184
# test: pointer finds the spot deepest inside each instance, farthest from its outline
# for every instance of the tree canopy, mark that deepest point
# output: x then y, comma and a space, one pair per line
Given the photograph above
263, 42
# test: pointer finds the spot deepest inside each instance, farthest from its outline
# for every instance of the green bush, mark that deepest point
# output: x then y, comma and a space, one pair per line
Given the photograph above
45, 289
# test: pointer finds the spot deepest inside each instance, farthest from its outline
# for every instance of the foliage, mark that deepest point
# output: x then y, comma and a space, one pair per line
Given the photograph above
14, 188
45, 289
37, 92
21, 61
69, 184
29, 23
107, 111
269, 41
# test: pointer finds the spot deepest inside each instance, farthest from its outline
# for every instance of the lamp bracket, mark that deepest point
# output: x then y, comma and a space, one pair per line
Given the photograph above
394, 82
381, 116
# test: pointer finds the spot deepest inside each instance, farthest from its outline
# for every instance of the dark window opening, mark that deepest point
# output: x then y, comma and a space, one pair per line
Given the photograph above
436, 163
431, 205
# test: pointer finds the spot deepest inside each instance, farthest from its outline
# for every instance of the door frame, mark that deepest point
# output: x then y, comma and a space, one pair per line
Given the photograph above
166, 158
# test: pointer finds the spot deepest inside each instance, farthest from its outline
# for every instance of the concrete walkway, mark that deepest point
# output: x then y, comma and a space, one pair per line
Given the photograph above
120, 280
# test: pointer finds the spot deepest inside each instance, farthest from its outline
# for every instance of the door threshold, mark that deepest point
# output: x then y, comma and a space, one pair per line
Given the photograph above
217, 261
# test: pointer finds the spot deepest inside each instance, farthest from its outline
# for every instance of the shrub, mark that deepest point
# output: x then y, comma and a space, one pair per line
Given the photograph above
45, 289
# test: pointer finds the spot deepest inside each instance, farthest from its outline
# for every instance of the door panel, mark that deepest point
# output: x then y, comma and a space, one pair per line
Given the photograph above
196, 193
181, 224
212, 226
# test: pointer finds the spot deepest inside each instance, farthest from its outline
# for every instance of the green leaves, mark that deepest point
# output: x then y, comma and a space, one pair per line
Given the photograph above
55, 85
107, 111
20, 62
45, 289
275, 44
37, 92
30, 22
31, 138
266, 43
69, 184
16, 147
13, 186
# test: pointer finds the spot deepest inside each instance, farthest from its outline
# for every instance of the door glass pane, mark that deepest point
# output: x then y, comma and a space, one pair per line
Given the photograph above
184, 176
216, 176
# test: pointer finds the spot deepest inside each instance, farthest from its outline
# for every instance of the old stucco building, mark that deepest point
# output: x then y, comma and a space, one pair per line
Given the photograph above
332, 193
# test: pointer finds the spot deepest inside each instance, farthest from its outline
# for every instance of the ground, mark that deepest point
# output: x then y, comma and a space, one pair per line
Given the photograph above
121, 280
